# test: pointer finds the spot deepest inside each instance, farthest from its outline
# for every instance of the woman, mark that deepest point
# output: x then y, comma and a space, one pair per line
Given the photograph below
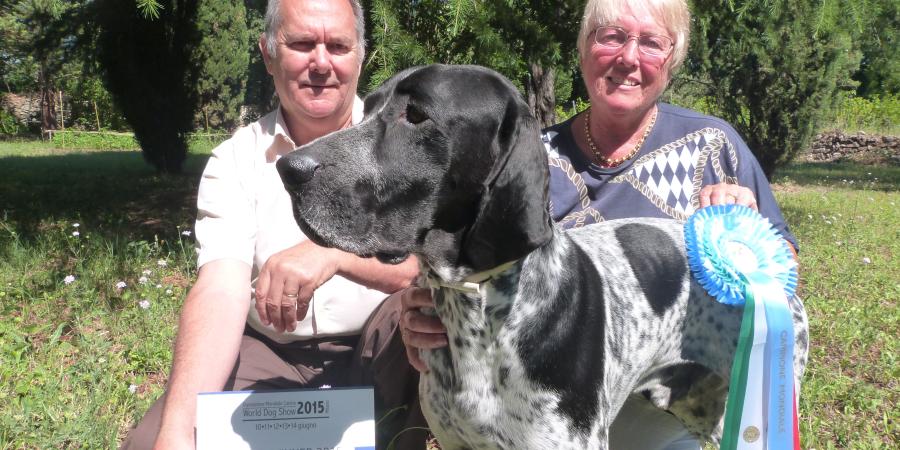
629, 155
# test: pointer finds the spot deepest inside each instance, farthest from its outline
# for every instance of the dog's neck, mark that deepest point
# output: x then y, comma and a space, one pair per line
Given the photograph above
471, 284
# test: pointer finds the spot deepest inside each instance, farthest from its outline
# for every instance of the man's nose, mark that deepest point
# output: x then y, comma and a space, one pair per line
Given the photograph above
320, 59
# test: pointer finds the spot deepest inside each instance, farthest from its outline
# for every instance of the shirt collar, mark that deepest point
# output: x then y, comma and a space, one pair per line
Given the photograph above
281, 131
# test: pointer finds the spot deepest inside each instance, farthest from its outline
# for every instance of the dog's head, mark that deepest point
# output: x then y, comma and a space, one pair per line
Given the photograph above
447, 164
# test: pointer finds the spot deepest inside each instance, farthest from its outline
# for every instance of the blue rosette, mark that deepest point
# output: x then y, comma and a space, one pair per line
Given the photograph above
729, 246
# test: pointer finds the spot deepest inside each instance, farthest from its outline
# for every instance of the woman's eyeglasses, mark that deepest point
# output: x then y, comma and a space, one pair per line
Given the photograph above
614, 38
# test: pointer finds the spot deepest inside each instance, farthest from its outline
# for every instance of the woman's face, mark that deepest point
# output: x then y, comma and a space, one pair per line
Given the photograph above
625, 81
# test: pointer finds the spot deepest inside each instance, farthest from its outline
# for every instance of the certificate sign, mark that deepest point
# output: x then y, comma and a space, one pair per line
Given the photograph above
305, 419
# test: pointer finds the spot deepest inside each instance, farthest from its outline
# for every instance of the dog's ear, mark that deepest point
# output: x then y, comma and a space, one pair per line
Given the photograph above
513, 218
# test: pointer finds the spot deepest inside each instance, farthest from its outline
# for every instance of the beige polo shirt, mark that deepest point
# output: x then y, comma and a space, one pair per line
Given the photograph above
244, 213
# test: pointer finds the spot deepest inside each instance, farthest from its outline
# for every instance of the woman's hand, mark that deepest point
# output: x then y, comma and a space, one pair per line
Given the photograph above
418, 330
288, 279
725, 194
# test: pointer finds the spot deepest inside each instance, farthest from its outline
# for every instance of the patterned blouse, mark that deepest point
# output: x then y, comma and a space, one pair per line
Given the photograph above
684, 151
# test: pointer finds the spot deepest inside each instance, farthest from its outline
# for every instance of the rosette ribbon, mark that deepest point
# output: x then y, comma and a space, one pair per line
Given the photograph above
736, 255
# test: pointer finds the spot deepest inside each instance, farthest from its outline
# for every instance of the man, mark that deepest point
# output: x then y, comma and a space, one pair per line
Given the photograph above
313, 49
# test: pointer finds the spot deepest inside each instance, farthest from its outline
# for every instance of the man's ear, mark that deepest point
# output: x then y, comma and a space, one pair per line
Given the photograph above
265, 52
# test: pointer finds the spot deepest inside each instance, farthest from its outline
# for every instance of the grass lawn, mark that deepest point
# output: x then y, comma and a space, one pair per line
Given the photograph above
80, 361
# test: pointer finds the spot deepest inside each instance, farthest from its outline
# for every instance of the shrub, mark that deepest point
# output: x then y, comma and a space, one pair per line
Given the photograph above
9, 125
879, 114
94, 140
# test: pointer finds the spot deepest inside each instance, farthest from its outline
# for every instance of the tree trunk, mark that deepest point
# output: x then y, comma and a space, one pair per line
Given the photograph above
540, 92
48, 102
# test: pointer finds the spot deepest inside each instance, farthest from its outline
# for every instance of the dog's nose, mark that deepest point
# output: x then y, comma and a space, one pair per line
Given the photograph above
296, 169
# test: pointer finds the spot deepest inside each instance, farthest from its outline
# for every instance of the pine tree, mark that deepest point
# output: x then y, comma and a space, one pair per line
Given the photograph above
221, 58
147, 67
531, 42
775, 68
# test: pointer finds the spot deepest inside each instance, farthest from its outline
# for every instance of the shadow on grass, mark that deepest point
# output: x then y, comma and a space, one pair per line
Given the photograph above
846, 175
114, 192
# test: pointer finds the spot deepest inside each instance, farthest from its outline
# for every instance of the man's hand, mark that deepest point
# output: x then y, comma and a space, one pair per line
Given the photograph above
288, 279
724, 194
418, 330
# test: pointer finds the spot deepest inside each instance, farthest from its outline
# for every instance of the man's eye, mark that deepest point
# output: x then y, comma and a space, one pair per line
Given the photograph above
414, 115
338, 49
302, 46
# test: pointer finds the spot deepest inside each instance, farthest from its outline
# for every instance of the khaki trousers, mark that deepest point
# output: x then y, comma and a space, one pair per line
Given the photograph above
375, 358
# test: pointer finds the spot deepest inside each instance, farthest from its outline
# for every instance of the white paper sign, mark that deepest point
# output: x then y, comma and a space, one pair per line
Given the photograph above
307, 419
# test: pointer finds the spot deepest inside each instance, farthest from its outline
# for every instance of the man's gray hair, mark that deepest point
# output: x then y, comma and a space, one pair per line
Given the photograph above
273, 23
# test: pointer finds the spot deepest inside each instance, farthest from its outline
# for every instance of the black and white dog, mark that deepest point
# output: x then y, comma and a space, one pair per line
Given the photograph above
549, 331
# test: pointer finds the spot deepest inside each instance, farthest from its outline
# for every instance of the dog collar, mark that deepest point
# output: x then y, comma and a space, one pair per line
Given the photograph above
470, 284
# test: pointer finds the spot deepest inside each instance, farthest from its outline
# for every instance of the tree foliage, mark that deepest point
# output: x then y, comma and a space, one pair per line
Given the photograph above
775, 68
529, 41
879, 72
221, 58
148, 68
259, 96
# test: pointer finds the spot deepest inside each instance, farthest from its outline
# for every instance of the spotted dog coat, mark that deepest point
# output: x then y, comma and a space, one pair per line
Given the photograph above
448, 165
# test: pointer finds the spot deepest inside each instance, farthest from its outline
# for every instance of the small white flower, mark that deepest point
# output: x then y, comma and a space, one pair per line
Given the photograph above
69, 279
186, 233
168, 292
132, 388
144, 303
162, 263
142, 280
866, 260
76, 225
121, 285
809, 216
828, 222
76, 234
159, 286
101, 360
147, 272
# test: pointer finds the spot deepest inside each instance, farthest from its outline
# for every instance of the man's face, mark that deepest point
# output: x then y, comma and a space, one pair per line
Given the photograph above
316, 65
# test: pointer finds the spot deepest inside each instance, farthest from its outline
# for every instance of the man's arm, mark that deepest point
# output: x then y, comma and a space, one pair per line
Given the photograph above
300, 270
206, 348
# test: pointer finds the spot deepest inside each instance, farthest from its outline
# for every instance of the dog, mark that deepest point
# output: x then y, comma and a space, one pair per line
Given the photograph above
549, 331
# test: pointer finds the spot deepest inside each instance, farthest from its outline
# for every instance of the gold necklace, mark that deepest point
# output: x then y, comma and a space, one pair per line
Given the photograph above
608, 162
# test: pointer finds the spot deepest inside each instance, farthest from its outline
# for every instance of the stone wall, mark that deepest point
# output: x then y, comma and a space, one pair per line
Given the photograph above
25, 107
860, 147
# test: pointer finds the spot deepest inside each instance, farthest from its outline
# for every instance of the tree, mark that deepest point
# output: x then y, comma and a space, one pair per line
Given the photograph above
33, 43
879, 71
221, 59
259, 95
774, 67
531, 42
145, 55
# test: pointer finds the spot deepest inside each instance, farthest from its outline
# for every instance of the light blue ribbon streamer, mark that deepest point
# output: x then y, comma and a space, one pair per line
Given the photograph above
731, 248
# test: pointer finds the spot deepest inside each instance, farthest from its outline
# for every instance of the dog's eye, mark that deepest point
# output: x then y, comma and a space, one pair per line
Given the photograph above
414, 115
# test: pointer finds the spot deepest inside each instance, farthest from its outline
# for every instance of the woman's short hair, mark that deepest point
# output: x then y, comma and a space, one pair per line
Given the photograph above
273, 23
674, 15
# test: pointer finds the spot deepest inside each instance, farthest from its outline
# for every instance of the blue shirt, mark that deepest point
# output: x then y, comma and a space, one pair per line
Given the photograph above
684, 151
